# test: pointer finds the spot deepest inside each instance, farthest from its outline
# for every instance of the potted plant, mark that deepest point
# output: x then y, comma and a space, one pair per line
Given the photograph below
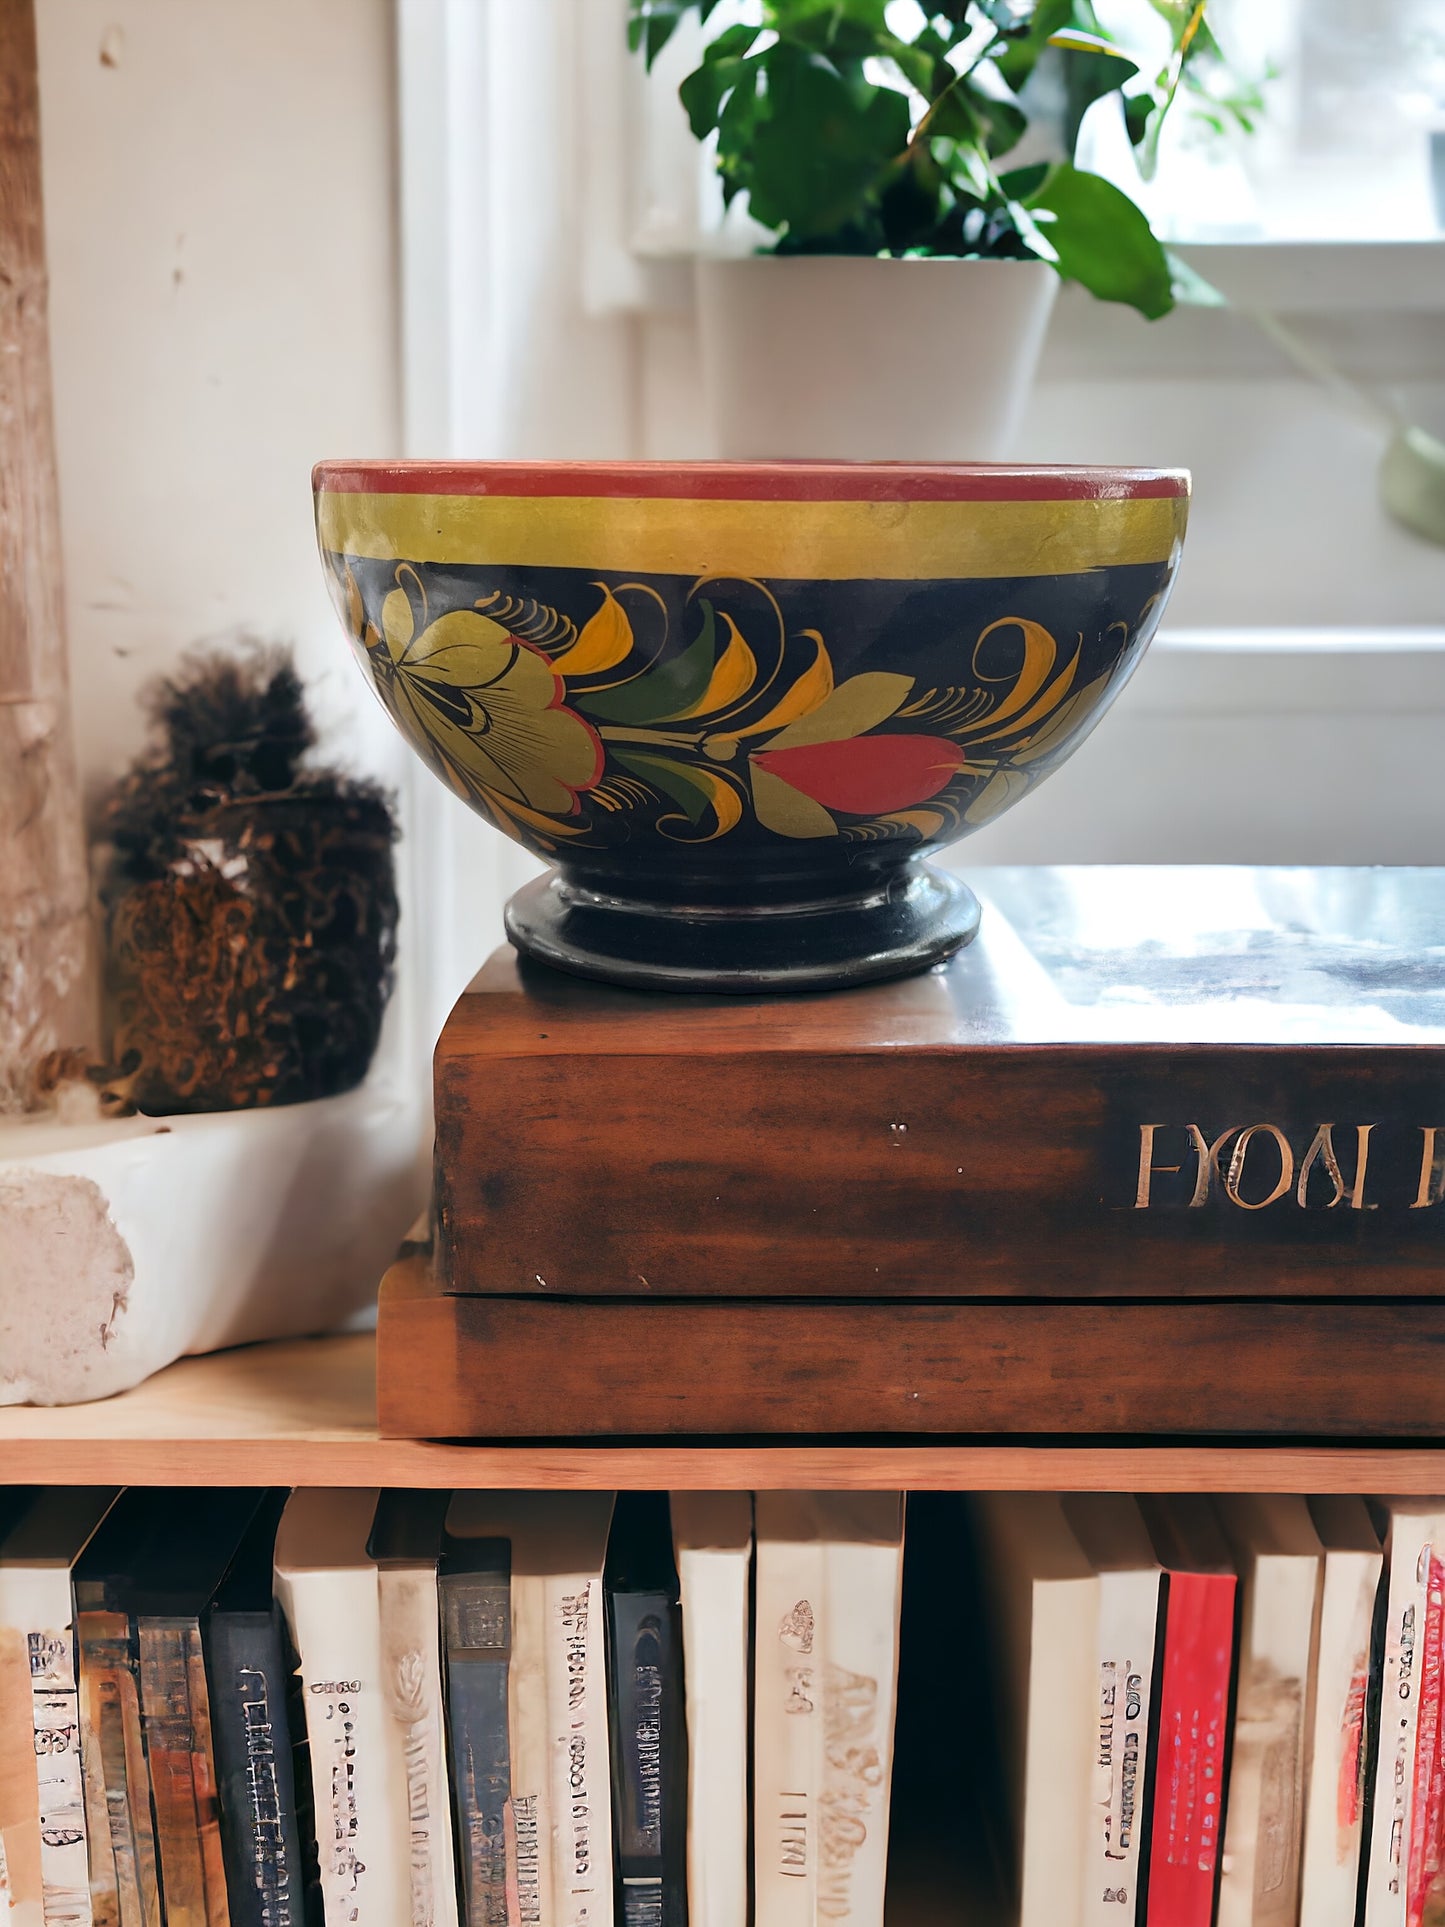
919, 224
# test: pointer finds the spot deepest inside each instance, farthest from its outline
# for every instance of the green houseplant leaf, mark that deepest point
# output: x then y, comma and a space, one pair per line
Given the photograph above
1102, 240
848, 133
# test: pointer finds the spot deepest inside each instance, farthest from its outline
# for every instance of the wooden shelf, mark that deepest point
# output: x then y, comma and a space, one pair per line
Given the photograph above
303, 1413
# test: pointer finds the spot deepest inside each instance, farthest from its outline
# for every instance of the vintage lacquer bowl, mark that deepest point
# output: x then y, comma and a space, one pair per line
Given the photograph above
737, 705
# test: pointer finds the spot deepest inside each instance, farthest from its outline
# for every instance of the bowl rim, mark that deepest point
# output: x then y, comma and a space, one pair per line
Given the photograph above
790, 481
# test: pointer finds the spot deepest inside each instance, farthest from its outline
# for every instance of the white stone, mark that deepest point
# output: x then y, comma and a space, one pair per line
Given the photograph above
125, 1244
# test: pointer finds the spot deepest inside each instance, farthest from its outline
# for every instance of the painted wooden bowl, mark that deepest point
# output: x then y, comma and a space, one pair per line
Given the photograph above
736, 706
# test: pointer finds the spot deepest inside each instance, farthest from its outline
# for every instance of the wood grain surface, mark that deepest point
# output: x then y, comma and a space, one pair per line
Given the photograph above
616, 1144
47, 983
302, 1412
458, 1366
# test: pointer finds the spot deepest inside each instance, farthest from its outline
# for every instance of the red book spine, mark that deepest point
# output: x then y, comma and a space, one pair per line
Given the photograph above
1427, 1804
1189, 1776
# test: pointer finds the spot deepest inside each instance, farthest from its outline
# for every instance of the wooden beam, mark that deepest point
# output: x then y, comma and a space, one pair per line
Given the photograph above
47, 980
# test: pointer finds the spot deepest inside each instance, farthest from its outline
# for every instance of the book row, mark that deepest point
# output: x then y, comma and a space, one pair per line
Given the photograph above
490, 1709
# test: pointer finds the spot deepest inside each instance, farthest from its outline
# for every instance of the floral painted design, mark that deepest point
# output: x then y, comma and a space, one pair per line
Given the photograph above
560, 729
491, 706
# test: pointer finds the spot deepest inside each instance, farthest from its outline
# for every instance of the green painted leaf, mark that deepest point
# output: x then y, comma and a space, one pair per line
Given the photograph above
671, 778
663, 692
1102, 240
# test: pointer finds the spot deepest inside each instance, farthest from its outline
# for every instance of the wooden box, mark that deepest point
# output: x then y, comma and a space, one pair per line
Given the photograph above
1161, 1150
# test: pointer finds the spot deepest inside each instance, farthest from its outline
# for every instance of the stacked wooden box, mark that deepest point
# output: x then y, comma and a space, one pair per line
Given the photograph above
1161, 1151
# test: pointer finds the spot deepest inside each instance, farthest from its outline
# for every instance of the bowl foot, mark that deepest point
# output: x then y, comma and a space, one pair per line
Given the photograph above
912, 918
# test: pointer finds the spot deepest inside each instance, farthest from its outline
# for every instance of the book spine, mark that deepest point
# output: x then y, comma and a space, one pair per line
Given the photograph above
335, 1625
859, 1681
1264, 1823
788, 1725
715, 1676
411, 1685
260, 1845
529, 1811
581, 1782
111, 1703
648, 1758
181, 1773
1386, 1884
55, 1715
20, 1880
476, 1619
1129, 1629
1189, 1768
1427, 1795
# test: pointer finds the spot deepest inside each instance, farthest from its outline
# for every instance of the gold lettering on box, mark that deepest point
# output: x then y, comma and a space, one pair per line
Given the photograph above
1248, 1168
1208, 1160
1234, 1177
1432, 1169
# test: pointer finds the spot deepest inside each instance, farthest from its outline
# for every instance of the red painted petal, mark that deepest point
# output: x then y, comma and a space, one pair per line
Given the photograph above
867, 775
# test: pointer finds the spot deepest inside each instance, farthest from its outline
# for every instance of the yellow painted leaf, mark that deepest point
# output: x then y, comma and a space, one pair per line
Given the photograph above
605, 641
854, 706
534, 819
463, 649
811, 689
786, 811
1066, 721
926, 822
396, 623
726, 805
1003, 787
1043, 706
733, 676
1040, 654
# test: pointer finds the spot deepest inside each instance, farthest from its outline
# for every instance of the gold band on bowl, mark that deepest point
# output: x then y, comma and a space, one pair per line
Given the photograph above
795, 540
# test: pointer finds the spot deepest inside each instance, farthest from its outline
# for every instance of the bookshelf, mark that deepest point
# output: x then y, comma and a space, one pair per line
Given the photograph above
303, 1413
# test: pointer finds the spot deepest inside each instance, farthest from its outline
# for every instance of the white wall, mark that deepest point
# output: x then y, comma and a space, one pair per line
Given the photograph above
219, 189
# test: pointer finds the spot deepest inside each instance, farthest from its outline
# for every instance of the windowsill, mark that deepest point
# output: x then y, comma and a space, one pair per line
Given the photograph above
1324, 277
1363, 643
1195, 674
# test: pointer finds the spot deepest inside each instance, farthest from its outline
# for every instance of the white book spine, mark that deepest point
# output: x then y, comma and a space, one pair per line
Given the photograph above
714, 1591
788, 1748
1386, 1897
529, 1811
1264, 1814
581, 1790
35, 1615
359, 1794
1061, 1738
1330, 1874
411, 1680
1128, 1631
860, 1694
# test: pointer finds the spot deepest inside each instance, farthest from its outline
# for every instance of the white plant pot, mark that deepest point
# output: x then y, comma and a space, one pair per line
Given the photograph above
124, 1244
848, 358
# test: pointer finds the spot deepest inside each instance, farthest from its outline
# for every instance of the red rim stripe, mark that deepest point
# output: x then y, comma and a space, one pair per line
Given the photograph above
754, 481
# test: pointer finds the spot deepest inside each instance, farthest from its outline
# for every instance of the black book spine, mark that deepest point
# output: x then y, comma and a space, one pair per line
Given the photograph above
477, 1631
251, 1733
649, 1757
